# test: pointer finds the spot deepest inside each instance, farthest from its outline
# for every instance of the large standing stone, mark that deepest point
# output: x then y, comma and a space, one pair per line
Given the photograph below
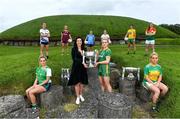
52, 98
114, 105
12, 106
144, 94
127, 87
114, 78
94, 83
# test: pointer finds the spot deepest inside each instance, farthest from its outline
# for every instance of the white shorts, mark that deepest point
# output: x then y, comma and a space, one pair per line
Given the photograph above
150, 42
148, 85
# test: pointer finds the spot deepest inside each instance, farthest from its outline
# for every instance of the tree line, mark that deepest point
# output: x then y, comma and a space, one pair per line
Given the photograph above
172, 27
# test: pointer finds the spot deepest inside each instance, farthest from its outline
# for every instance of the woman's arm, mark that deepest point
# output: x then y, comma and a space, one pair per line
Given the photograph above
35, 82
48, 35
61, 36
45, 81
108, 58
149, 80
70, 36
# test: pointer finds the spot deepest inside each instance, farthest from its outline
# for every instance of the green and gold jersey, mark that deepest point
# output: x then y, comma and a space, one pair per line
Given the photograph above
103, 54
104, 69
153, 72
131, 34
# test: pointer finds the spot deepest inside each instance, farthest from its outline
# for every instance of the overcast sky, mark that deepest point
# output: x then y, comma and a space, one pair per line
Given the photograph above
14, 12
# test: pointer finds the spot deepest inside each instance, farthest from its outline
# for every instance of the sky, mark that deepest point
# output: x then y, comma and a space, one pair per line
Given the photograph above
14, 12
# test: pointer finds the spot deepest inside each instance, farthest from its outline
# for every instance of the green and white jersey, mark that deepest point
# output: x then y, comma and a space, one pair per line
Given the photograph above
153, 72
41, 73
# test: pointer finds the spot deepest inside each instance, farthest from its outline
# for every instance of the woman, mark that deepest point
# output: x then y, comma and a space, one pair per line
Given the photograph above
78, 75
103, 66
43, 74
44, 39
105, 36
90, 41
150, 40
131, 35
152, 79
65, 36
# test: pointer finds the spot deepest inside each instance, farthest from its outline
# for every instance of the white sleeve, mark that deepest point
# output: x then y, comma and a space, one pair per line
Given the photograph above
102, 36
108, 36
40, 31
48, 72
47, 31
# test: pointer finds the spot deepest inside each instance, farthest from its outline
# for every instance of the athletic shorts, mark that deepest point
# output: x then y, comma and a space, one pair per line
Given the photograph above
47, 86
150, 42
44, 41
90, 45
65, 41
148, 85
131, 41
103, 70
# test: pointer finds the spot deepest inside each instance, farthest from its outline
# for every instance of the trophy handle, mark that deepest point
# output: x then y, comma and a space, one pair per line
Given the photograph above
83, 57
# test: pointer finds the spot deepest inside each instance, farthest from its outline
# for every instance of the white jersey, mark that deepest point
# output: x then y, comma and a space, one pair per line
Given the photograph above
44, 34
105, 37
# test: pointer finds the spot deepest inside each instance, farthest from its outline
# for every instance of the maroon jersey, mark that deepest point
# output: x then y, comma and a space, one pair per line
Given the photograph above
65, 36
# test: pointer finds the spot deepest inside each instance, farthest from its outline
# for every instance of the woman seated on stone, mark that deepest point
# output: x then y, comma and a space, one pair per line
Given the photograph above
152, 79
41, 83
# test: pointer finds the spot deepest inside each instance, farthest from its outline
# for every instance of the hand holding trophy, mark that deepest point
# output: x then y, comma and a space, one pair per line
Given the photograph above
89, 58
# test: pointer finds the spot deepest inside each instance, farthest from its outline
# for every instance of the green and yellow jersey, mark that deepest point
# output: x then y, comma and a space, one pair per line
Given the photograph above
153, 72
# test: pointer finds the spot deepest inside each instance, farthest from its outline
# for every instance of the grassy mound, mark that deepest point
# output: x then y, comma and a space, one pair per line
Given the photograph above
79, 25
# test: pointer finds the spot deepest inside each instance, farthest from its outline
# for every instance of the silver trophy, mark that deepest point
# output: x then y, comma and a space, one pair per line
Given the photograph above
130, 71
89, 58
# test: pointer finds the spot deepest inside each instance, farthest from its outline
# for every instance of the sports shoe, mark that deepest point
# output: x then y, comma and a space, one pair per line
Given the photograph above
81, 98
77, 100
155, 109
34, 109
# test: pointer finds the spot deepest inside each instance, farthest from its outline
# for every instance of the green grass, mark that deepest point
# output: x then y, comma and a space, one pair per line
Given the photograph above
79, 25
169, 60
18, 65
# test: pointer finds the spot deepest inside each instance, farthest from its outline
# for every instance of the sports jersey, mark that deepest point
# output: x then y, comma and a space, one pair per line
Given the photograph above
90, 39
150, 30
41, 73
131, 34
44, 32
153, 72
65, 35
104, 69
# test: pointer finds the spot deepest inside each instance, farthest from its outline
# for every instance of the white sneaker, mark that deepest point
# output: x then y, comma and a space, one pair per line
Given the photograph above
77, 100
81, 98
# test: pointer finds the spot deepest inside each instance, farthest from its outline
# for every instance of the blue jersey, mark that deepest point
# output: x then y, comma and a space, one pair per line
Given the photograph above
90, 39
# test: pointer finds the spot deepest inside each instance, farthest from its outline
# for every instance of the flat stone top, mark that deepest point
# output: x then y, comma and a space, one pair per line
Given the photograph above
10, 103
115, 100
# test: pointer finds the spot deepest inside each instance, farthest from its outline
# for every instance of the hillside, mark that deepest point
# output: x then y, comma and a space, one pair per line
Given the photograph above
79, 25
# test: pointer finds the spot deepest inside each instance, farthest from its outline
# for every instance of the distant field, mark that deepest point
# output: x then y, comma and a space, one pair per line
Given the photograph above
17, 69
79, 25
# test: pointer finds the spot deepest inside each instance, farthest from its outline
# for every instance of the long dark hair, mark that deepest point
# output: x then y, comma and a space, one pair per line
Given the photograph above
75, 44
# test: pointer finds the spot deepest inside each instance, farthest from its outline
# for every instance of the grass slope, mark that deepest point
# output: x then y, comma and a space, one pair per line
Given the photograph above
79, 25
18, 65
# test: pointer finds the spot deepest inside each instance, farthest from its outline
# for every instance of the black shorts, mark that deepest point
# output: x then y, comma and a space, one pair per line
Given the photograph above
44, 43
47, 86
90, 45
